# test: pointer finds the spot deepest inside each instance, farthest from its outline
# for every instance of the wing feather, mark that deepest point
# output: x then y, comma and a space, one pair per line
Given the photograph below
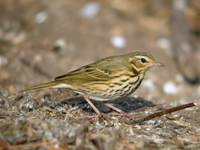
102, 70
85, 74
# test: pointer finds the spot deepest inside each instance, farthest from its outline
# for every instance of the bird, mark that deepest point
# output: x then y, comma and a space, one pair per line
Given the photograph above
110, 78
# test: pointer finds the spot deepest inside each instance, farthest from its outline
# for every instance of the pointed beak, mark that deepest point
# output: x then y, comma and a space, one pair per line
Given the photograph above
157, 64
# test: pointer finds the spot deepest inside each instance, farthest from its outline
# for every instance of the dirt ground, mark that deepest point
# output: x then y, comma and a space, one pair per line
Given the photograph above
41, 39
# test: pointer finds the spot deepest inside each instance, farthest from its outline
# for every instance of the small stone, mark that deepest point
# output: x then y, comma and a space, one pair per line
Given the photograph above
180, 4
150, 96
12, 90
170, 88
148, 83
118, 41
164, 43
40, 17
19, 38
179, 78
90, 10
37, 58
48, 135
56, 146
60, 44
3, 61
198, 90
60, 109
151, 122
5, 94
45, 126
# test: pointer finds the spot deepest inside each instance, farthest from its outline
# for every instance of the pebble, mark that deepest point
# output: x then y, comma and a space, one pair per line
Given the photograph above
15, 38
60, 109
151, 122
198, 90
59, 44
19, 38
56, 146
165, 44
118, 41
40, 17
44, 126
48, 135
180, 4
170, 88
3, 60
150, 96
37, 58
90, 10
12, 89
148, 83
47, 102
179, 78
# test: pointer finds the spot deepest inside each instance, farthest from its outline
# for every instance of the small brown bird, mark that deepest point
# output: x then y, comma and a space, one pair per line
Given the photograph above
107, 79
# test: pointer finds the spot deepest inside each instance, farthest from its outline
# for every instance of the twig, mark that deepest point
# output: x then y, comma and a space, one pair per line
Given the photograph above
3, 144
31, 145
158, 114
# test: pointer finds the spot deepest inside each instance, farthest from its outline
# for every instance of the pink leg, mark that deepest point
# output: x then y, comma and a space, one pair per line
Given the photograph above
120, 111
95, 109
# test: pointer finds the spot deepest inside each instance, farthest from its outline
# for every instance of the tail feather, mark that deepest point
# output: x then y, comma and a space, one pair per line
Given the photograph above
42, 86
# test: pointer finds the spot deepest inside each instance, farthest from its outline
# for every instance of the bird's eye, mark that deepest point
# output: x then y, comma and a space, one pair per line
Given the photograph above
143, 60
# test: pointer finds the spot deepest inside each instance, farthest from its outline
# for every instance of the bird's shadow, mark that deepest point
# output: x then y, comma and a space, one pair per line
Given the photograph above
126, 104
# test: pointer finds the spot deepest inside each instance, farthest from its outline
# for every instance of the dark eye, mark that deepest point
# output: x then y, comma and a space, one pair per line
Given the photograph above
143, 60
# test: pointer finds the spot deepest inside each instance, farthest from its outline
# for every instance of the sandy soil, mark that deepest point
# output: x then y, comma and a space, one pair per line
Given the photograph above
34, 51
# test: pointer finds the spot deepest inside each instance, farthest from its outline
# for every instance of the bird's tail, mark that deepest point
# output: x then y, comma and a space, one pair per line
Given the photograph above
42, 86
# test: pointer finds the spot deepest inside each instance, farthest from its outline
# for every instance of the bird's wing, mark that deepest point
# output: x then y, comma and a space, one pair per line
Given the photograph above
98, 71
87, 74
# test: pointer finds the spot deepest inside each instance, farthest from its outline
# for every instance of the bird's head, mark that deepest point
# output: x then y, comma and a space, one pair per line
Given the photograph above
142, 61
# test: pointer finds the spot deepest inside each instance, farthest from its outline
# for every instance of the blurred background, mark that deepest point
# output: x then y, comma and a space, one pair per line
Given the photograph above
41, 39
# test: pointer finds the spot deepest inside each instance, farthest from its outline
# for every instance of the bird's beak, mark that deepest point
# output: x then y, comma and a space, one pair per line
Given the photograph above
157, 64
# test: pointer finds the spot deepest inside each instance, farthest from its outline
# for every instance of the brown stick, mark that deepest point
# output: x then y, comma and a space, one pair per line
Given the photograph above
3, 145
33, 145
158, 114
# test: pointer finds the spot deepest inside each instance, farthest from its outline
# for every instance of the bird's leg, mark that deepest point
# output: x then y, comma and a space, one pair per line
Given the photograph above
95, 109
120, 111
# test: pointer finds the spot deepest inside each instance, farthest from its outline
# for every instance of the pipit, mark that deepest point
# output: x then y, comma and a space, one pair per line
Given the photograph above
107, 79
